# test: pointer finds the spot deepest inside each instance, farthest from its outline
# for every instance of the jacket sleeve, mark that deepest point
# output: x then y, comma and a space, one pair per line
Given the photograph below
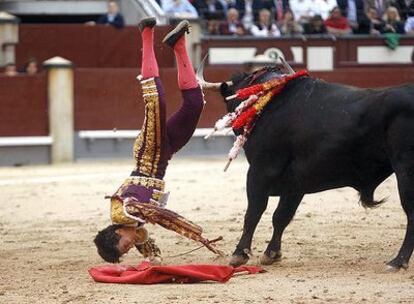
119, 22
102, 20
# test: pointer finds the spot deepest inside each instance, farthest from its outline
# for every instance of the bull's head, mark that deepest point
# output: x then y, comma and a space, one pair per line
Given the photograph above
239, 81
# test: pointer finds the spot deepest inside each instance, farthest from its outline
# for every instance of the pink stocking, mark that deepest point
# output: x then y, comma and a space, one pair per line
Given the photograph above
149, 62
186, 76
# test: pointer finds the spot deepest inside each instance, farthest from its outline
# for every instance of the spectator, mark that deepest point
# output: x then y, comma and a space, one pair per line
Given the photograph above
303, 10
337, 24
232, 26
30, 68
10, 69
315, 26
249, 10
354, 11
179, 8
228, 4
404, 7
209, 9
324, 7
409, 23
379, 5
265, 27
279, 7
113, 16
376, 23
393, 22
213, 27
289, 25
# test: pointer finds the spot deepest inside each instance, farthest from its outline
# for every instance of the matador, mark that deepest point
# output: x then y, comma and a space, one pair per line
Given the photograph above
142, 197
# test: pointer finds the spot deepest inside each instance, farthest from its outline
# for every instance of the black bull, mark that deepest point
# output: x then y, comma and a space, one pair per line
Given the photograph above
316, 136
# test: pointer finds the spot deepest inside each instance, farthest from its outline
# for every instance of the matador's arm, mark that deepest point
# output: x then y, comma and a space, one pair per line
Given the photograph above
169, 220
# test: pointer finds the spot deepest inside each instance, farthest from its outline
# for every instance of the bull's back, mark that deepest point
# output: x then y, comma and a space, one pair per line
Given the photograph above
318, 135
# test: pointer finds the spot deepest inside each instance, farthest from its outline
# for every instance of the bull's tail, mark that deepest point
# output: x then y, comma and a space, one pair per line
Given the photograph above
366, 198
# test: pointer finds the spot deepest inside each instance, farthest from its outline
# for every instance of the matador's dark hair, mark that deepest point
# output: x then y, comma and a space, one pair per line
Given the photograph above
106, 242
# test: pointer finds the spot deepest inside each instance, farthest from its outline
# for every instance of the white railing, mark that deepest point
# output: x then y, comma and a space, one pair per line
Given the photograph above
131, 134
25, 141
151, 8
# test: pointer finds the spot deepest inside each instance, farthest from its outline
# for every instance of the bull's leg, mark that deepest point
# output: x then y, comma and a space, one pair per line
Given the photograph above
405, 179
288, 204
258, 196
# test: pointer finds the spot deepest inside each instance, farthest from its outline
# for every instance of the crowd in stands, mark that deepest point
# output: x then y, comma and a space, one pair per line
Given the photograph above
273, 18
29, 68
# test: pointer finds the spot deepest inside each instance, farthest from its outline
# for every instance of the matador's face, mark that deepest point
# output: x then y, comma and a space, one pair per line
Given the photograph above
128, 239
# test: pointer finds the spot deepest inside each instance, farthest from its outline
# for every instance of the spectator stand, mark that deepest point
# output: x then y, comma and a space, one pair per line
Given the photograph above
306, 51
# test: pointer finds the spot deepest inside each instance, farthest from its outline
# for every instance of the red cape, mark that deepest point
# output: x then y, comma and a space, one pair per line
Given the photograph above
145, 273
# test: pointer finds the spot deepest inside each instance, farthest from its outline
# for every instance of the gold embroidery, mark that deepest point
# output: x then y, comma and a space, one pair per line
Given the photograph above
147, 182
146, 160
152, 90
156, 195
158, 139
117, 213
142, 235
149, 249
167, 219
138, 143
149, 138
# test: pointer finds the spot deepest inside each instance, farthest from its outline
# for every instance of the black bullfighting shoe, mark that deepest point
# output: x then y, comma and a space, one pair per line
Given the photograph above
147, 22
172, 37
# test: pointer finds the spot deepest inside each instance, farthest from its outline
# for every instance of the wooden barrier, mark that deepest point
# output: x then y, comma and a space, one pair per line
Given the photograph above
88, 46
104, 104
23, 106
313, 52
106, 47
108, 99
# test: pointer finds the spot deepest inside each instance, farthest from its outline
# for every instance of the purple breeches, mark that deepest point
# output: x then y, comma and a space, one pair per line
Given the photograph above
159, 138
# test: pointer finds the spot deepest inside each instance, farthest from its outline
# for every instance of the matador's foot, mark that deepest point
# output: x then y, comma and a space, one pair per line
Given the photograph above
172, 37
147, 22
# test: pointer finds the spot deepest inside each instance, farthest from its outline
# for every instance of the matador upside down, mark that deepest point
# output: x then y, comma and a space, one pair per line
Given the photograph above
141, 198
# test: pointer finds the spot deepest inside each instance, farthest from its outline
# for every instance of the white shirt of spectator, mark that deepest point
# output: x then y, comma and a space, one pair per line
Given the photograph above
211, 7
232, 28
248, 14
265, 32
184, 7
324, 7
352, 11
409, 25
303, 8
111, 17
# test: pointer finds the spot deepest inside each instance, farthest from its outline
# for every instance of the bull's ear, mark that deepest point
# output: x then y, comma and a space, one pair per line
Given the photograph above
224, 89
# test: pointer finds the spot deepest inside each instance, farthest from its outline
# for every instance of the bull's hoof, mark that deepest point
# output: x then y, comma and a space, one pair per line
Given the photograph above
237, 260
391, 269
272, 257
395, 265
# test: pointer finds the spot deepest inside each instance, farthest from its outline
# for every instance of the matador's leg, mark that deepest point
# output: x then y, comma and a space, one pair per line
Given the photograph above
145, 183
181, 125
150, 145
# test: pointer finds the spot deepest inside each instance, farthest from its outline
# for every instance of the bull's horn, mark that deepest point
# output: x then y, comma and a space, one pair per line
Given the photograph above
214, 86
286, 65
276, 56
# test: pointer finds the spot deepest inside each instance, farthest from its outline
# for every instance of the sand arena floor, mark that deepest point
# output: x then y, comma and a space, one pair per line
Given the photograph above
333, 251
